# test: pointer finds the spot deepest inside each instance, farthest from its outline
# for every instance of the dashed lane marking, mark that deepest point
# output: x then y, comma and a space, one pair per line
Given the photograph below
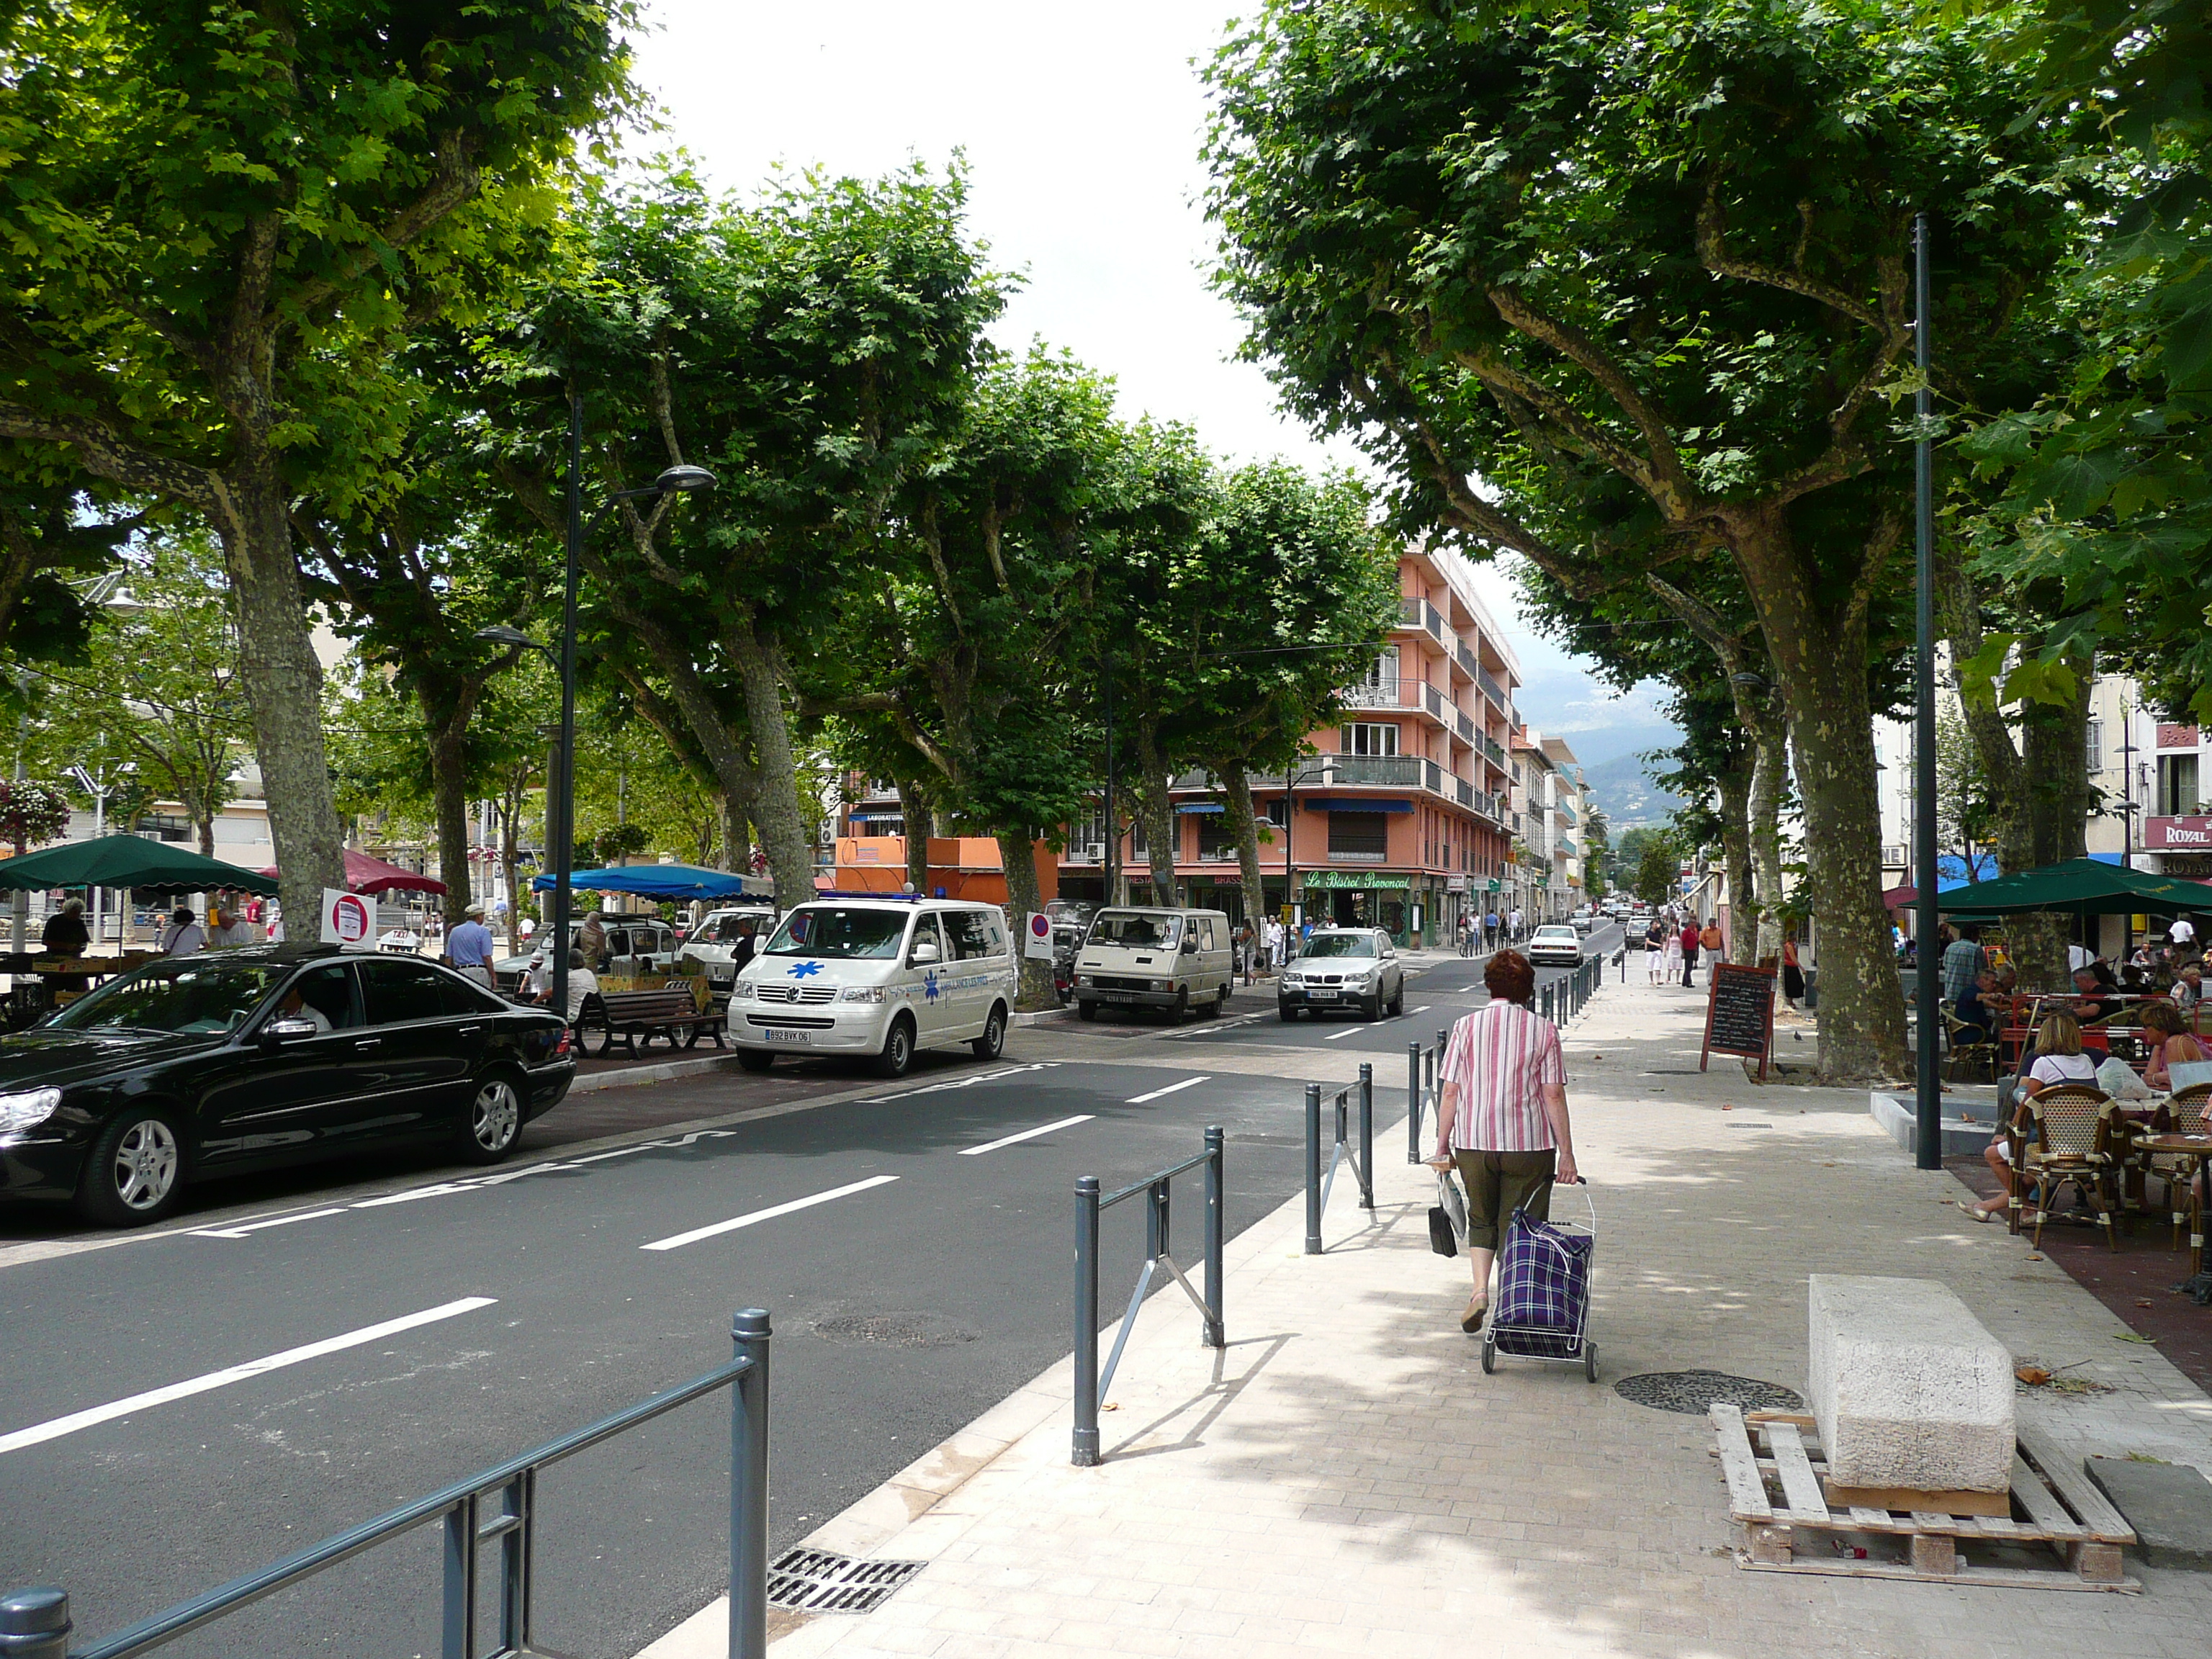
1026, 1134
251, 1227
1172, 1087
55, 1428
680, 1240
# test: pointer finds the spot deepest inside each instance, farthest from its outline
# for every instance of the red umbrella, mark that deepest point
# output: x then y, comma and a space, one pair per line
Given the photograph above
364, 874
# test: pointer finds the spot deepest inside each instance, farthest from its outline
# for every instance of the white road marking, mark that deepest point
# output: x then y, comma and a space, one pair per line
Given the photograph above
257, 1226
1026, 1134
1189, 1082
1339, 1036
57, 1427
769, 1214
1423, 1009
967, 1082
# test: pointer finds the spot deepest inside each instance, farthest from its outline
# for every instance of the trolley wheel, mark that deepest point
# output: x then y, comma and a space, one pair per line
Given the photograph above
1489, 1353
1589, 1361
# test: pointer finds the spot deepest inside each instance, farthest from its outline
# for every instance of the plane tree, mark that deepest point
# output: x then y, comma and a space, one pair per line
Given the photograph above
1614, 287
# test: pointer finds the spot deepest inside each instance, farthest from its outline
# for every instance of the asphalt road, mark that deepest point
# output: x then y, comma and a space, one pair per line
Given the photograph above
454, 1319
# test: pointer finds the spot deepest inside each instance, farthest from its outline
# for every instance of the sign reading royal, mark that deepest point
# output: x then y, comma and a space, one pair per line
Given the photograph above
2177, 832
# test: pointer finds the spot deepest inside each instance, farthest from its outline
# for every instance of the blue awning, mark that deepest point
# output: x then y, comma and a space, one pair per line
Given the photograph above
665, 881
1352, 804
1201, 806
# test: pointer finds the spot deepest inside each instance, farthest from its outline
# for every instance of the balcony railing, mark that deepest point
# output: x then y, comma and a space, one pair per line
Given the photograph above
1433, 701
1567, 848
1409, 612
1465, 791
1493, 749
1566, 812
1490, 688
1466, 660
1384, 695
1465, 722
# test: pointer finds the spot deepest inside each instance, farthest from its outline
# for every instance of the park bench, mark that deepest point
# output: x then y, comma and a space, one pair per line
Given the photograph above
635, 1017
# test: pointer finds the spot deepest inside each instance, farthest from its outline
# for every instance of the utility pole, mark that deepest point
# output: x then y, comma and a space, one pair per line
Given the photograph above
1928, 1118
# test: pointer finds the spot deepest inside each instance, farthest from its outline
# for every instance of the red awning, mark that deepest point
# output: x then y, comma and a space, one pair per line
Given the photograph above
364, 874
1897, 898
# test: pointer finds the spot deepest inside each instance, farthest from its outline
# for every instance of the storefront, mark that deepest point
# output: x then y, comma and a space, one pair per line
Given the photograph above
1361, 898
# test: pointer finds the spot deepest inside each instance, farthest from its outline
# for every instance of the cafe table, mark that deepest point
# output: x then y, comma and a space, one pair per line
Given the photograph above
2196, 1148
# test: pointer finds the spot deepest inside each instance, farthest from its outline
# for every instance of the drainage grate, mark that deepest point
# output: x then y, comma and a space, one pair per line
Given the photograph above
820, 1581
1693, 1392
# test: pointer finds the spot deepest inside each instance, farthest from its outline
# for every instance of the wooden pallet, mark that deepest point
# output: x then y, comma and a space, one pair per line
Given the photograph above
1778, 1498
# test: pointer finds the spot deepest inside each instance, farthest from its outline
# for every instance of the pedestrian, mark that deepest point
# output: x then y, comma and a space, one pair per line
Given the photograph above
275, 914
2180, 932
1655, 946
1674, 939
468, 947
535, 981
1964, 962
593, 940
741, 952
1711, 941
227, 929
1466, 934
184, 936
1793, 975
1513, 923
64, 933
1691, 937
1503, 1119
1490, 929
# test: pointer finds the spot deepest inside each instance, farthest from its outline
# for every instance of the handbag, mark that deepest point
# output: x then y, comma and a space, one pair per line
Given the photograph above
1447, 1217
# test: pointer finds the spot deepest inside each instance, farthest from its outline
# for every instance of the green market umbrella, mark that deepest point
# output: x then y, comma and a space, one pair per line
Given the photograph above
129, 861
2084, 886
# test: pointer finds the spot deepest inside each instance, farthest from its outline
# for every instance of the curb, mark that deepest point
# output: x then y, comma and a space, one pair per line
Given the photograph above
666, 1071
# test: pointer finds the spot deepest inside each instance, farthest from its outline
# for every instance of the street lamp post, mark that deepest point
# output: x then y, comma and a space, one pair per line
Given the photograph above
1929, 1114
676, 480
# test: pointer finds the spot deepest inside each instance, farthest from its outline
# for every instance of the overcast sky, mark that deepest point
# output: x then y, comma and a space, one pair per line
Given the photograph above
1081, 127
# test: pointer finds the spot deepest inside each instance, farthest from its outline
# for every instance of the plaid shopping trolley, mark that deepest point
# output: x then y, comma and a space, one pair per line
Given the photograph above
1542, 1308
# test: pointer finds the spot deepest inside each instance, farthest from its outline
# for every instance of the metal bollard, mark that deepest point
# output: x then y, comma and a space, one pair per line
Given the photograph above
1366, 1135
1412, 1103
1313, 1169
749, 1334
34, 1624
1217, 1332
1083, 1452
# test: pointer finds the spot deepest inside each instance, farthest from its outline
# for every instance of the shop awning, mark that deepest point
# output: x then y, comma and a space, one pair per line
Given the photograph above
1352, 804
1201, 806
129, 861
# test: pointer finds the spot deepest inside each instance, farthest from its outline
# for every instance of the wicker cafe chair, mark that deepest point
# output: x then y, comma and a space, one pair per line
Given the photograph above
2186, 1112
1973, 1049
2072, 1130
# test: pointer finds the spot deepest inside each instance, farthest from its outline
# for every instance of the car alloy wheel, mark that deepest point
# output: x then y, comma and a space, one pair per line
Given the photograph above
144, 1170
495, 1118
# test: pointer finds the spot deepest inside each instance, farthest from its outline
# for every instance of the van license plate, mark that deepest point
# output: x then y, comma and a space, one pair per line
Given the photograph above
774, 1034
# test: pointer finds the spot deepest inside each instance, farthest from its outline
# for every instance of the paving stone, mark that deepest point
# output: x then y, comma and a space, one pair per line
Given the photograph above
2168, 1504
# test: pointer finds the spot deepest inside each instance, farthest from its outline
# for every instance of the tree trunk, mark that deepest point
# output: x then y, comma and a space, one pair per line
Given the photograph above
449, 786
775, 811
1024, 899
1735, 787
1821, 661
510, 849
1237, 789
914, 813
1152, 802
1770, 771
283, 683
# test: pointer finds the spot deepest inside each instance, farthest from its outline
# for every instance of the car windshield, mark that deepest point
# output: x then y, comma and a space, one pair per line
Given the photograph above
188, 994
1555, 933
1132, 930
825, 930
725, 930
1339, 944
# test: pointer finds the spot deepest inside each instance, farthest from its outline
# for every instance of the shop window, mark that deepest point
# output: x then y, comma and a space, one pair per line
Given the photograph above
1362, 836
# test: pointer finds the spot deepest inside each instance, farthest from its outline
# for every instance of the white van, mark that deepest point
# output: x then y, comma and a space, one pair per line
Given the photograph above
880, 977
1178, 960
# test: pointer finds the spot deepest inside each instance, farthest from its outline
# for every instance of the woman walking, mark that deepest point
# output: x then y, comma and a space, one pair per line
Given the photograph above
1674, 949
1793, 975
1655, 946
1504, 1119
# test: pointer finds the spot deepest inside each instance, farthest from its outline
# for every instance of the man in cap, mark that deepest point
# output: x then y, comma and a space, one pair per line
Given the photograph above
468, 947
536, 981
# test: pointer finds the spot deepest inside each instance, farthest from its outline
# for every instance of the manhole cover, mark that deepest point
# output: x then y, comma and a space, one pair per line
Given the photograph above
1693, 1392
821, 1581
898, 1330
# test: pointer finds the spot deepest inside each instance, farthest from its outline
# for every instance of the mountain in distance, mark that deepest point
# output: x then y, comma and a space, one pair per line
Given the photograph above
1626, 795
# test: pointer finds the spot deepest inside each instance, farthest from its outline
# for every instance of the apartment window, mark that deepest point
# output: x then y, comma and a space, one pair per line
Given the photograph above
2094, 748
1367, 739
1383, 675
1361, 836
2177, 787
1086, 840
1214, 840
1279, 812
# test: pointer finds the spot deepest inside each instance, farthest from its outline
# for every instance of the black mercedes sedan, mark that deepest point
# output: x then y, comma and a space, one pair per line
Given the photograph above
232, 1061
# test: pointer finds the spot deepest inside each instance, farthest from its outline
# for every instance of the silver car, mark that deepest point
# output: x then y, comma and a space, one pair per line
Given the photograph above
1337, 968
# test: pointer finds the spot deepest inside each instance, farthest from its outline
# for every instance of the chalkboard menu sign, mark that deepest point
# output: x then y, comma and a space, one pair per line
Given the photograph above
1739, 1014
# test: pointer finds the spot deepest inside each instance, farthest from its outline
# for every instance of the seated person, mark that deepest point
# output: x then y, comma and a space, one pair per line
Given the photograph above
1980, 1006
2093, 999
2189, 987
2057, 1059
2167, 1044
295, 1007
582, 983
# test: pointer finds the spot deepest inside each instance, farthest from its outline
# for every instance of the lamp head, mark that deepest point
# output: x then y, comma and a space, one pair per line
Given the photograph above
501, 634
682, 480
1749, 681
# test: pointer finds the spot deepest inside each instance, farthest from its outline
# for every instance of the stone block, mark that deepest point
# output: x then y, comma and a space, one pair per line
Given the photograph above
1908, 1388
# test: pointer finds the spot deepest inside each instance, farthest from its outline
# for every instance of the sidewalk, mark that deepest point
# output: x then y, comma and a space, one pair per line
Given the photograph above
1344, 1479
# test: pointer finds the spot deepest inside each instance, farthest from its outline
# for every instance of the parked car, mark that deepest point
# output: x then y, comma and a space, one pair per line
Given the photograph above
878, 978
636, 944
714, 943
192, 1067
1556, 943
1172, 960
1355, 968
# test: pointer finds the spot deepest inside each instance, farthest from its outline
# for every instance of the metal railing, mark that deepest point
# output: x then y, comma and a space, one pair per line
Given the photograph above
1564, 999
34, 1624
1090, 1386
1363, 1161
1423, 1089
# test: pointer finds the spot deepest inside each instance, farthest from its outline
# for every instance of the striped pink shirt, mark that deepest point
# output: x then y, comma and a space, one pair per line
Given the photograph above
1496, 1066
